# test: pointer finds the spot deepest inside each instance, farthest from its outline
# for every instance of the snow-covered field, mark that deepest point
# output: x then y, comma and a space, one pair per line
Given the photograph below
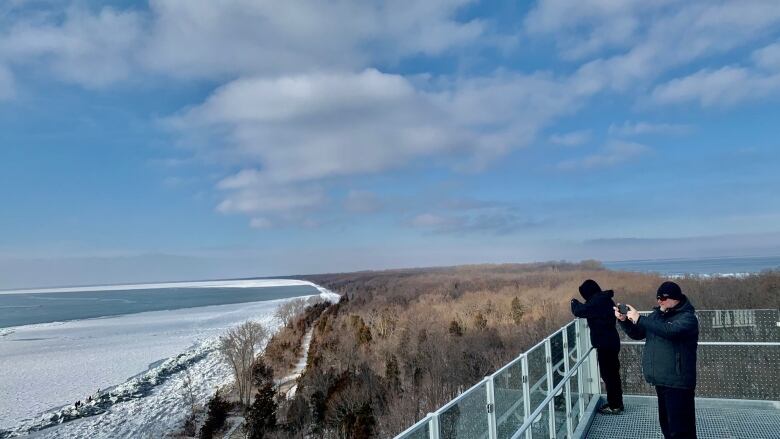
46, 366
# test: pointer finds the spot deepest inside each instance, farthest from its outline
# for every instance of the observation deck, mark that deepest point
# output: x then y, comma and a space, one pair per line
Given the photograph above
553, 390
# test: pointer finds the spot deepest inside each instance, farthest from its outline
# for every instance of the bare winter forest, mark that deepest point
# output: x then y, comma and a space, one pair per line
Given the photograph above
400, 343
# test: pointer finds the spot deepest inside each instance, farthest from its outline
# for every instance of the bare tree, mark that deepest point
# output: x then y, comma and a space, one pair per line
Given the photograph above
188, 393
287, 311
290, 309
239, 347
187, 390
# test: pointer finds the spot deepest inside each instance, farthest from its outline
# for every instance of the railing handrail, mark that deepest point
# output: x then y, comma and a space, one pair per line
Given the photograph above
719, 343
414, 427
459, 397
543, 405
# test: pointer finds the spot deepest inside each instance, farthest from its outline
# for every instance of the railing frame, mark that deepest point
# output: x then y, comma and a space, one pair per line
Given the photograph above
586, 365
583, 352
548, 400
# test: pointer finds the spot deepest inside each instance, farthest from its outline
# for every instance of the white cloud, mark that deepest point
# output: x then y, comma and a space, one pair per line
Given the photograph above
206, 39
613, 153
768, 58
722, 87
629, 128
260, 223
728, 85
300, 106
586, 27
574, 138
230, 38
309, 127
291, 132
671, 34
260, 197
93, 50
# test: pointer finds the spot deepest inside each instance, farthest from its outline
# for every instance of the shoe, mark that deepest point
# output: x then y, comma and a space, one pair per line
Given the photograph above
607, 410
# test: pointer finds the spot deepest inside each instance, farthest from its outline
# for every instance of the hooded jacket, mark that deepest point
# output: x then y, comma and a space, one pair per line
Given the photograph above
601, 318
669, 357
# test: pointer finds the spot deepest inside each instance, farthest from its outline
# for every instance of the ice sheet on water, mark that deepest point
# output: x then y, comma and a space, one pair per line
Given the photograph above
247, 283
135, 388
52, 372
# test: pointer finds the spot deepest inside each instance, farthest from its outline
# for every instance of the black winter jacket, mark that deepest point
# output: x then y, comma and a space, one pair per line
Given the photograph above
601, 319
669, 358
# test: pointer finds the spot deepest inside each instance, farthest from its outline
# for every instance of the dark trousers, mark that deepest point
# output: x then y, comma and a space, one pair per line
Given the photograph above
609, 367
676, 412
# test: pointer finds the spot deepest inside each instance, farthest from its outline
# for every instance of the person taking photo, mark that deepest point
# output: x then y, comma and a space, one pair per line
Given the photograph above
671, 332
598, 310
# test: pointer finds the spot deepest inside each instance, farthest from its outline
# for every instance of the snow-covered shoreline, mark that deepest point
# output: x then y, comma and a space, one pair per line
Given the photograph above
151, 402
710, 275
247, 283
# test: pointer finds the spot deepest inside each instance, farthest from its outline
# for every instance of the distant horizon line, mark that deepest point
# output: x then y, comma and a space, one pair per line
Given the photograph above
294, 277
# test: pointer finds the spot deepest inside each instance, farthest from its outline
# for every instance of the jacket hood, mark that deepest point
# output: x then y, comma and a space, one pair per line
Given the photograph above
685, 305
608, 293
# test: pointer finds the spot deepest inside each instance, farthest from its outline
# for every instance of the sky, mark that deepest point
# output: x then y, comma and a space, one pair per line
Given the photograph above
193, 139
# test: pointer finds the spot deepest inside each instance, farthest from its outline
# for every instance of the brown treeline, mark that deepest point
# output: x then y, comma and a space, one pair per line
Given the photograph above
401, 343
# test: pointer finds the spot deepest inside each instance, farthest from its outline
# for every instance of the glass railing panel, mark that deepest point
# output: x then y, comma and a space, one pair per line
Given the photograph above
539, 386
571, 358
508, 389
467, 417
558, 357
421, 431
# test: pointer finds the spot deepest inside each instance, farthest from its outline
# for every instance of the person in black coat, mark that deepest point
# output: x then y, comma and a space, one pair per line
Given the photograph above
669, 359
598, 309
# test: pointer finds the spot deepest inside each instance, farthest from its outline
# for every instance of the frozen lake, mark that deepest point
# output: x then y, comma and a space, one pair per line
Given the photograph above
43, 306
48, 365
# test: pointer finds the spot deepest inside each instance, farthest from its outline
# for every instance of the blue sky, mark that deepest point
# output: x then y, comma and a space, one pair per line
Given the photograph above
171, 139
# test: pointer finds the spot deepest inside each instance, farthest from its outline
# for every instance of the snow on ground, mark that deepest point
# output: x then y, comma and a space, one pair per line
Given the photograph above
288, 384
46, 366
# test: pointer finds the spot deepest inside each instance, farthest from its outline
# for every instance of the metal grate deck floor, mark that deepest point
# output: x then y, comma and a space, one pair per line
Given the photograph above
724, 420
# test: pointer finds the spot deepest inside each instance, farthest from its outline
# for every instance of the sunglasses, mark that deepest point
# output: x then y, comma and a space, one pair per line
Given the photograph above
661, 298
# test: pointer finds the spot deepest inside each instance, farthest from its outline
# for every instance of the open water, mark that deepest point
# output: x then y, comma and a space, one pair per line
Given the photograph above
725, 266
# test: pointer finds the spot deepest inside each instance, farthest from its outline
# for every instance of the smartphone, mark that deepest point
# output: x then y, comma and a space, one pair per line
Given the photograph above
622, 308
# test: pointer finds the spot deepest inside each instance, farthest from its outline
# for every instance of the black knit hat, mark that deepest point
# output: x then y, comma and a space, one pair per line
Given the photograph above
589, 288
671, 290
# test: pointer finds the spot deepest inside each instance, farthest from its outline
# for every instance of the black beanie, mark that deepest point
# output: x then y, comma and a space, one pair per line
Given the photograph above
671, 290
589, 288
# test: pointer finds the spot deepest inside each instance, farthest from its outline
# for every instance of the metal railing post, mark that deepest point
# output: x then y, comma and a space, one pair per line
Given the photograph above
593, 367
491, 408
433, 430
580, 351
567, 387
526, 392
550, 385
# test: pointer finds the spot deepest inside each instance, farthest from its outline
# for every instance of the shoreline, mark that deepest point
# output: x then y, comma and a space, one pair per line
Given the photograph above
201, 335
246, 283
